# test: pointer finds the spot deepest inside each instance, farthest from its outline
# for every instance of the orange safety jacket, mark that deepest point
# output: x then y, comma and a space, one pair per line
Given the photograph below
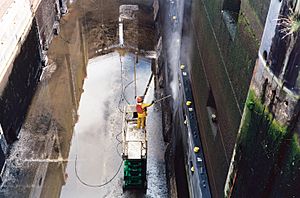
141, 109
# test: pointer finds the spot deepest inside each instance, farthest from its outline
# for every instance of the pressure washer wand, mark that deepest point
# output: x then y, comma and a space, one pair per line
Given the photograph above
163, 98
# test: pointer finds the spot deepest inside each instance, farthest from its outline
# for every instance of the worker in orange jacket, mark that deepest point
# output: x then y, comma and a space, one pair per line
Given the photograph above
141, 109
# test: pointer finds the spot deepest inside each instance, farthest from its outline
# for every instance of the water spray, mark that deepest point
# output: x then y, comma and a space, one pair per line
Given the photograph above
163, 98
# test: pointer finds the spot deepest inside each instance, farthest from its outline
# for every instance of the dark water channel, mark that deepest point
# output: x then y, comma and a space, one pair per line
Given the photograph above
75, 115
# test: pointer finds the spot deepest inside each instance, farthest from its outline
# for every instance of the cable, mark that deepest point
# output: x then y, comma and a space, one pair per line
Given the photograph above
128, 85
122, 95
125, 98
96, 185
111, 179
119, 105
117, 137
118, 150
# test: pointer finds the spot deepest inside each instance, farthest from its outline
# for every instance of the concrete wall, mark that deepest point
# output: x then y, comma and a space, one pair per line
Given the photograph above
187, 175
222, 56
27, 29
16, 23
47, 14
20, 86
162, 81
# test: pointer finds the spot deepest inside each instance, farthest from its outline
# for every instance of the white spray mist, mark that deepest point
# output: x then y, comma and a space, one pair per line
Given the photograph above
174, 42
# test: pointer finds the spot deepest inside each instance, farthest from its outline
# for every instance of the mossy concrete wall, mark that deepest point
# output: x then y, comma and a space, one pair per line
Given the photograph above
266, 159
267, 155
222, 61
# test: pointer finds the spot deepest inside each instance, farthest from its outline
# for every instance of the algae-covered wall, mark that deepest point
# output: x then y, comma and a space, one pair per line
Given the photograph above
267, 155
257, 150
226, 36
266, 159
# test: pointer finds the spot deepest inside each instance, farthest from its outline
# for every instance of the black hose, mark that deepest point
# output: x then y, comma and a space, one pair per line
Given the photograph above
96, 185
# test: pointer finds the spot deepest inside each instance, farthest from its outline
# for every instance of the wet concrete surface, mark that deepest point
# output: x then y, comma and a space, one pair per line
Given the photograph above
95, 144
68, 119
172, 22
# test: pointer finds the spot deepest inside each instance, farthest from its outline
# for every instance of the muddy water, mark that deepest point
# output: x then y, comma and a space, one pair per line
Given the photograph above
75, 115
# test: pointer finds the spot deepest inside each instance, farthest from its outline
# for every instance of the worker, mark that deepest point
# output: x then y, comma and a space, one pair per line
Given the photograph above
141, 109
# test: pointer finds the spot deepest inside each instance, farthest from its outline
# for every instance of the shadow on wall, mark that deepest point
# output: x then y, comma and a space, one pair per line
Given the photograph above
21, 85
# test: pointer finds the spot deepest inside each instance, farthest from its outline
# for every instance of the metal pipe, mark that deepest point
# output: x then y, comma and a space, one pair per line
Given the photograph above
148, 85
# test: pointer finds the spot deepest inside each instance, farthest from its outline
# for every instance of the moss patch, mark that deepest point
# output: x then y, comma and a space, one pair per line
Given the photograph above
259, 120
258, 147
